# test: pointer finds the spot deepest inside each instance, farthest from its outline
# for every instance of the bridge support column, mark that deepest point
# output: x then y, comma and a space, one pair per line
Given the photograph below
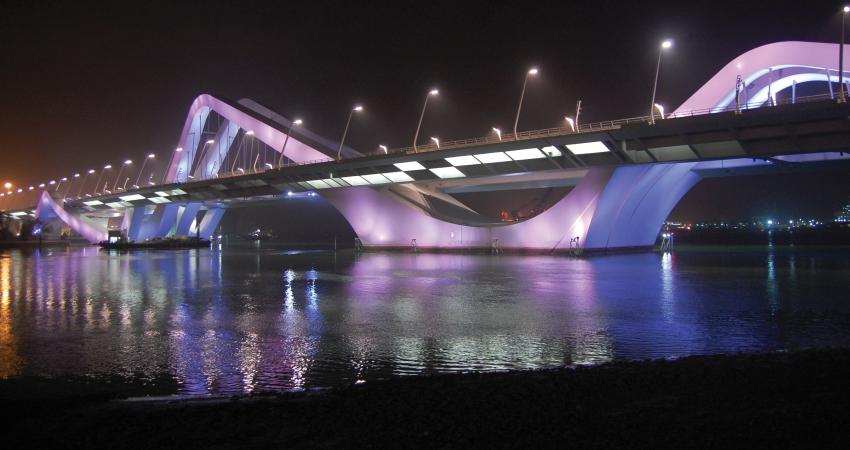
132, 223
187, 217
210, 222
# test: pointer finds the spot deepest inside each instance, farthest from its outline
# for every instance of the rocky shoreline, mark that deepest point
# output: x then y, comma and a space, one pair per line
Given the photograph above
797, 399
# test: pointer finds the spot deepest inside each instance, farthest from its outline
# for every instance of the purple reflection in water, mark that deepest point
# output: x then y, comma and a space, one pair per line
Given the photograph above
254, 319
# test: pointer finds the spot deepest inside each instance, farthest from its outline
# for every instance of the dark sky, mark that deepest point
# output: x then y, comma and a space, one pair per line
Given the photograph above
84, 84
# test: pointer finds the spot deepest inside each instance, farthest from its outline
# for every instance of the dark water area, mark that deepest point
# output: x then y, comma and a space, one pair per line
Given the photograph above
244, 318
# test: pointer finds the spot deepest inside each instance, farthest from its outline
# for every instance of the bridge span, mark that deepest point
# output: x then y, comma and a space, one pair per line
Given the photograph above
603, 186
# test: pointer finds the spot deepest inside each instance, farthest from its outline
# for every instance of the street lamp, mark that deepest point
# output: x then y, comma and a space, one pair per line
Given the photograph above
660, 109
498, 133
61, 180
421, 116
356, 108
664, 46
841, 98
436, 141
288, 133
120, 169
7, 185
83, 184
384, 148
201, 156
150, 156
571, 123
532, 71
96, 184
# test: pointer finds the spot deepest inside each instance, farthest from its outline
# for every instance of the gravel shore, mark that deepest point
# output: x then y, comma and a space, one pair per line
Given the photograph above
777, 400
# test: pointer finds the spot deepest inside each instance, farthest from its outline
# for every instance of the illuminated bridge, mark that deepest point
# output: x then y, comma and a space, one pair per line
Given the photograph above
602, 186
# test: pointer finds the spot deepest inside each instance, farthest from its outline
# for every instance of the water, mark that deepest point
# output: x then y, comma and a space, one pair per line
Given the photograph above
247, 319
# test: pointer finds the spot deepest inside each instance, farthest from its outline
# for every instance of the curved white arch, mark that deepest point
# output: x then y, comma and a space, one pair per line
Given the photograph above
760, 63
48, 208
235, 116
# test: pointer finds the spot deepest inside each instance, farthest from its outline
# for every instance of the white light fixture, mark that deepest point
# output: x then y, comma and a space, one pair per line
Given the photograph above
355, 180
436, 141
571, 123
586, 148
384, 148
667, 44
498, 133
159, 200
466, 160
495, 157
527, 153
447, 172
376, 178
93, 203
398, 177
133, 197
318, 184
551, 151
409, 166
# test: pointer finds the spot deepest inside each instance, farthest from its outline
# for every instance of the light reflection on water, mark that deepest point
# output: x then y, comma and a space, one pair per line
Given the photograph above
247, 319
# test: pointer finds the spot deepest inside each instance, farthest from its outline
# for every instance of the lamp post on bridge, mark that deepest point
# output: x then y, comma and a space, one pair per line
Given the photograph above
150, 156
664, 46
532, 71
357, 108
70, 185
422, 116
100, 177
83, 184
285, 141
841, 95
121, 169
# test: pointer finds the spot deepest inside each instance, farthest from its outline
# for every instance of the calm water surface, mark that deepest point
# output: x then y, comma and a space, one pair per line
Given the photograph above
254, 319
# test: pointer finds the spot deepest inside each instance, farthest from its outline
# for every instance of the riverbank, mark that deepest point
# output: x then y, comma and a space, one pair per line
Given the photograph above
767, 400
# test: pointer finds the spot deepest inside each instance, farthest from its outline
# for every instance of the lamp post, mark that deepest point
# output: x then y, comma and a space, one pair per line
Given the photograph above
660, 109
239, 151
498, 133
83, 184
201, 156
841, 97
150, 156
664, 46
357, 108
384, 148
118, 177
59, 185
421, 116
288, 133
70, 185
436, 141
97, 183
532, 71
571, 123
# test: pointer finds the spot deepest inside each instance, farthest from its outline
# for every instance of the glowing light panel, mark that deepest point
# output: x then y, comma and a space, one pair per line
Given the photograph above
93, 203
355, 180
551, 151
588, 147
376, 178
398, 177
494, 157
130, 198
159, 200
527, 153
447, 172
318, 184
409, 166
462, 161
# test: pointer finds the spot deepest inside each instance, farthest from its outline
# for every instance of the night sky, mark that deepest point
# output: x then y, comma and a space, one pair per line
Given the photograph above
84, 84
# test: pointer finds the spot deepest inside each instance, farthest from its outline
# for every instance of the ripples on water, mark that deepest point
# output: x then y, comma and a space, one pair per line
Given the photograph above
241, 320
